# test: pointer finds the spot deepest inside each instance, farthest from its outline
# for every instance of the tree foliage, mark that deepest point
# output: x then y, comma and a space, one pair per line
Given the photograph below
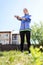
37, 33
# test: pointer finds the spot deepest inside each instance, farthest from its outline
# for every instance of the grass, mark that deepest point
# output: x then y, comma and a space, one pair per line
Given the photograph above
19, 58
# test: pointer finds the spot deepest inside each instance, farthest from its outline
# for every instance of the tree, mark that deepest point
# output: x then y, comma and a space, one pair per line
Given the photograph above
37, 33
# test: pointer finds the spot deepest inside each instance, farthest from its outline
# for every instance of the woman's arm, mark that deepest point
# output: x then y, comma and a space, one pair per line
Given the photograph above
20, 18
26, 18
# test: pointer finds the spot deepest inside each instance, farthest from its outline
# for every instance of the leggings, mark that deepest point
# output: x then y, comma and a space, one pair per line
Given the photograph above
22, 36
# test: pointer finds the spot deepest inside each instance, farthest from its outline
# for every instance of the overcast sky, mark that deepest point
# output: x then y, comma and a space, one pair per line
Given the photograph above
9, 8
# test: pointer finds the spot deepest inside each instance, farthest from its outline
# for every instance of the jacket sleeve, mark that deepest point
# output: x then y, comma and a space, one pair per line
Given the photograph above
28, 19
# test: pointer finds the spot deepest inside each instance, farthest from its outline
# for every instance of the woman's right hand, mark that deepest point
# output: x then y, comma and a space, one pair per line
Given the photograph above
16, 16
19, 18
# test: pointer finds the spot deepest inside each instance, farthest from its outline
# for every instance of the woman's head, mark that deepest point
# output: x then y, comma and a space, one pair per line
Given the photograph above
25, 10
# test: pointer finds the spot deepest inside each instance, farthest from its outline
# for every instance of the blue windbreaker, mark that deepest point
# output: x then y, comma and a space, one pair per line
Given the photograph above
25, 24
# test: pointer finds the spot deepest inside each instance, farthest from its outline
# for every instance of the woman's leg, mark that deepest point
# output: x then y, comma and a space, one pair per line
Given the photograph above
28, 39
22, 35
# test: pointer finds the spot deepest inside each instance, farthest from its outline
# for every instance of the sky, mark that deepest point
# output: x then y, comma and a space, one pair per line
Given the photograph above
9, 8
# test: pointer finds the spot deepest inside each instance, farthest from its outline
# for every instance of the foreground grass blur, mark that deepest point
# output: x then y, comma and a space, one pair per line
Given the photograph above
19, 58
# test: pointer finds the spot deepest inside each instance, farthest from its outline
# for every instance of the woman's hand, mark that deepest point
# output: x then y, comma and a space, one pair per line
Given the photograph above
19, 18
16, 16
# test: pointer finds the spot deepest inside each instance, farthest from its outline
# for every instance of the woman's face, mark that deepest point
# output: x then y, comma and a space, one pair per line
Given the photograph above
25, 11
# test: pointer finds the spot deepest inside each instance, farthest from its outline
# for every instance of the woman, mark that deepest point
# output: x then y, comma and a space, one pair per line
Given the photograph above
25, 28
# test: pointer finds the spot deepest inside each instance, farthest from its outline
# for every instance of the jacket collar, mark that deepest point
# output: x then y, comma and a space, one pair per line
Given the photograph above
26, 14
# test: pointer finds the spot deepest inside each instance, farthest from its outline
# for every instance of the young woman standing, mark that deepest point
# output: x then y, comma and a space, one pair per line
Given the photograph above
25, 28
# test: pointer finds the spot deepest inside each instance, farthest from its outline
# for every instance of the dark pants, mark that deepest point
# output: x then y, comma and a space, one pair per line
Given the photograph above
22, 35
